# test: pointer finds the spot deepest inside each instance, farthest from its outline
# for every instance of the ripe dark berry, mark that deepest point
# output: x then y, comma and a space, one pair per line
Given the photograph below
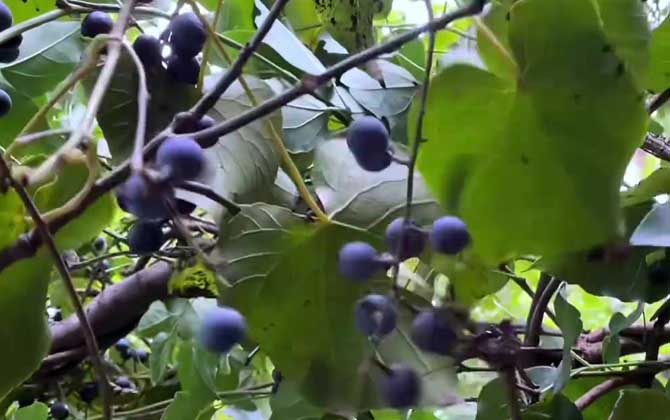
368, 141
145, 237
221, 329
100, 244
25, 400
431, 332
13, 42
184, 207
96, 23
124, 348
59, 410
183, 70
8, 54
140, 355
359, 261
143, 199
449, 235
203, 123
57, 316
188, 35
148, 49
405, 241
183, 158
5, 103
401, 388
376, 315
6, 18
89, 392
123, 382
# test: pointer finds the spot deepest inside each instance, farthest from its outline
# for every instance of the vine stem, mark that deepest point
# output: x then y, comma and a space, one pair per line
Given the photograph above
287, 160
87, 331
136, 160
598, 391
540, 303
511, 387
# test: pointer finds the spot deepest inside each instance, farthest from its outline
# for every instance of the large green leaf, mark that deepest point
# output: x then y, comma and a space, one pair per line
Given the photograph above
659, 66
641, 404
48, 54
557, 407
515, 160
118, 113
35, 411
365, 199
305, 324
23, 109
243, 164
570, 323
601, 408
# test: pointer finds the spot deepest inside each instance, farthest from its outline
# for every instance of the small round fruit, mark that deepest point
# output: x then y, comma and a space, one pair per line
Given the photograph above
405, 241
100, 244
204, 123
221, 329
140, 355
449, 235
89, 392
183, 70
368, 141
6, 18
148, 49
359, 261
376, 315
124, 348
431, 332
402, 387
59, 410
145, 237
13, 42
96, 23
183, 157
188, 35
8, 54
123, 382
5, 103
145, 200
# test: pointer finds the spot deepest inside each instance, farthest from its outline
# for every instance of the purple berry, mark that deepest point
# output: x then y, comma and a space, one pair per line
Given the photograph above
221, 329
405, 241
123, 382
89, 392
140, 355
96, 23
148, 49
368, 141
183, 70
5, 103
145, 237
59, 410
143, 199
432, 332
376, 315
6, 18
402, 387
449, 235
359, 261
203, 123
182, 157
188, 35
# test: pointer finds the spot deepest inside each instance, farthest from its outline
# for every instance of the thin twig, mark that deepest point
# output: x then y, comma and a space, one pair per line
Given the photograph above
601, 389
541, 302
207, 191
34, 137
136, 159
87, 331
512, 389
658, 101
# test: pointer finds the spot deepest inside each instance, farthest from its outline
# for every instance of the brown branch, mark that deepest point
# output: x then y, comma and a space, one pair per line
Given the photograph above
601, 389
546, 290
658, 101
208, 192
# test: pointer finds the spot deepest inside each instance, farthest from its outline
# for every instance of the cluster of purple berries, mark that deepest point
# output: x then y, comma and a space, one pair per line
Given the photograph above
9, 51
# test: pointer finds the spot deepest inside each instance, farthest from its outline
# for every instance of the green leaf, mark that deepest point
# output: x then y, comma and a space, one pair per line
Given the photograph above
492, 401
516, 159
66, 185
601, 408
118, 112
184, 406
235, 14
48, 54
654, 229
570, 323
27, 9
618, 322
496, 20
558, 407
23, 289
659, 66
23, 109
641, 404
161, 352
35, 411
243, 164
365, 199
288, 404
